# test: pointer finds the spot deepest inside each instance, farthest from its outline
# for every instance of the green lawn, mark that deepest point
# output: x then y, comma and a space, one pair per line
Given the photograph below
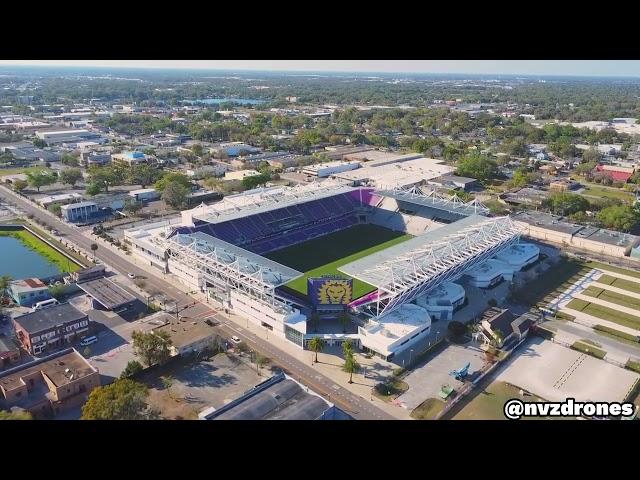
589, 349
488, 404
391, 389
44, 250
428, 409
595, 190
323, 256
611, 268
620, 283
616, 334
613, 297
605, 313
16, 170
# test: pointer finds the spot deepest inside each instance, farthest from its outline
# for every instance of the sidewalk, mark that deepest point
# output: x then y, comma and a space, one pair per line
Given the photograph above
591, 321
605, 303
619, 275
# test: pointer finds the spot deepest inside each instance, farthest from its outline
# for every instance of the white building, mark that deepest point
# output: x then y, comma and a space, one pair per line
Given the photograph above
323, 170
442, 301
145, 194
490, 273
519, 255
61, 199
395, 331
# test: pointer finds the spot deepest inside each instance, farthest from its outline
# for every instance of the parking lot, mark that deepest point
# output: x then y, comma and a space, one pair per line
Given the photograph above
427, 380
196, 386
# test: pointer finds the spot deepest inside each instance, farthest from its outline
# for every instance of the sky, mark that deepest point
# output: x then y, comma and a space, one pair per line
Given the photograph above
506, 67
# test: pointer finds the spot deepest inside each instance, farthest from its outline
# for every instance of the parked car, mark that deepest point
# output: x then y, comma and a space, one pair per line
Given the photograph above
235, 339
131, 275
86, 341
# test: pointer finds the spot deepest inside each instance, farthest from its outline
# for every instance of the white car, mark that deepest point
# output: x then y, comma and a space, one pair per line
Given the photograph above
235, 339
131, 275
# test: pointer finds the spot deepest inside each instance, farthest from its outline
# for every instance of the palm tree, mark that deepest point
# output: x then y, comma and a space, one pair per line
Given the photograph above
316, 344
351, 366
344, 320
94, 247
498, 337
5, 280
347, 348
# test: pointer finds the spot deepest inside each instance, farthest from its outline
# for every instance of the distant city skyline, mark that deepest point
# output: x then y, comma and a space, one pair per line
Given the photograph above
630, 68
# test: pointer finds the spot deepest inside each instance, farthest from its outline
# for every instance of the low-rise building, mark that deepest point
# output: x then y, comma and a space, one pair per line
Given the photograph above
51, 328
453, 182
60, 199
145, 194
501, 328
29, 291
188, 336
49, 386
323, 170
79, 212
130, 158
278, 398
9, 352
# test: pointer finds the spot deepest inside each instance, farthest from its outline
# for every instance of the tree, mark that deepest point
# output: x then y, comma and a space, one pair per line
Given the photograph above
153, 347
41, 178
5, 281
565, 203
477, 166
344, 320
70, 176
498, 337
171, 177
143, 175
15, 415
39, 143
104, 176
93, 189
124, 399
167, 383
133, 367
316, 344
255, 180
619, 217
261, 361
94, 247
347, 347
86, 353
350, 366
213, 183
591, 156
456, 329
492, 302
175, 195
131, 206
585, 167
57, 291
69, 160
20, 185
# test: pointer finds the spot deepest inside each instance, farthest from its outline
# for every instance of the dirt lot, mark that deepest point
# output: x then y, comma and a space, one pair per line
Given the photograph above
196, 386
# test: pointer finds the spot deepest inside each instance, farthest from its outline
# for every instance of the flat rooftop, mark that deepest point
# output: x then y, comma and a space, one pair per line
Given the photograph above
184, 332
106, 293
279, 398
389, 175
48, 318
400, 322
58, 367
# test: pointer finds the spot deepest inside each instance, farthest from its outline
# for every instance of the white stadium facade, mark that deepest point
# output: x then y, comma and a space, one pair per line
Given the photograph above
220, 250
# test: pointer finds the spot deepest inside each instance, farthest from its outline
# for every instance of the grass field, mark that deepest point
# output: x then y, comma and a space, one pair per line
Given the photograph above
605, 313
323, 256
611, 268
428, 409
37, 245
620, 283
613, 297
16, 170
595, 190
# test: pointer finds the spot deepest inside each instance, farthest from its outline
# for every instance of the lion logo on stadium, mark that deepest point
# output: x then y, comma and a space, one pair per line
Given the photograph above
336, 292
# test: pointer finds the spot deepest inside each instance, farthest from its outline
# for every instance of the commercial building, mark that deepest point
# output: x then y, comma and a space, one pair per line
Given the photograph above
323, 170
278, 398
386, 335
234, 149
453, 182
131, 158
50, 328
443, 301
29, 291
145, 194
80, 212
49, 386
558, 230
188, 336
9, 352
73, 136
617, 173
60, 199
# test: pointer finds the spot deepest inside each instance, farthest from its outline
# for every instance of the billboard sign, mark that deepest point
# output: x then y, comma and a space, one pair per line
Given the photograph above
330, 290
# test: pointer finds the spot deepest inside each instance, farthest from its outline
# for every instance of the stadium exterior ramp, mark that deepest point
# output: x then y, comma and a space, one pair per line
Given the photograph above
406, 271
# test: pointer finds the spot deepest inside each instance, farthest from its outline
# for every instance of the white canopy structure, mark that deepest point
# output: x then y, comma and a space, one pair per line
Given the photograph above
427, 197
410, 269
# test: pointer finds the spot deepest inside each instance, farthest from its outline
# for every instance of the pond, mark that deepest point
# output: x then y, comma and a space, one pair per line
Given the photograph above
19, 261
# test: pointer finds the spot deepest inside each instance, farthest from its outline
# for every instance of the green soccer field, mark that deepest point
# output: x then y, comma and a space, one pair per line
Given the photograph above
323, 256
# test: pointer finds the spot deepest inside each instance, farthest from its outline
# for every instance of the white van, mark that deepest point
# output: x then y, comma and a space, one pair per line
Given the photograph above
45, 304
88, 341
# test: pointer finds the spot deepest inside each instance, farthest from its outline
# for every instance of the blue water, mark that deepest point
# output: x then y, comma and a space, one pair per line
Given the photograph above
20, 262
218, 101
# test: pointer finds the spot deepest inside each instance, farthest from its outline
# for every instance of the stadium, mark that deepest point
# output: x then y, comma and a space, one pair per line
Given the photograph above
333, 260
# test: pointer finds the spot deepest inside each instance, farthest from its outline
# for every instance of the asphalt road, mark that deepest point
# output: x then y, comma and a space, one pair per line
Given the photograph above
354, 405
